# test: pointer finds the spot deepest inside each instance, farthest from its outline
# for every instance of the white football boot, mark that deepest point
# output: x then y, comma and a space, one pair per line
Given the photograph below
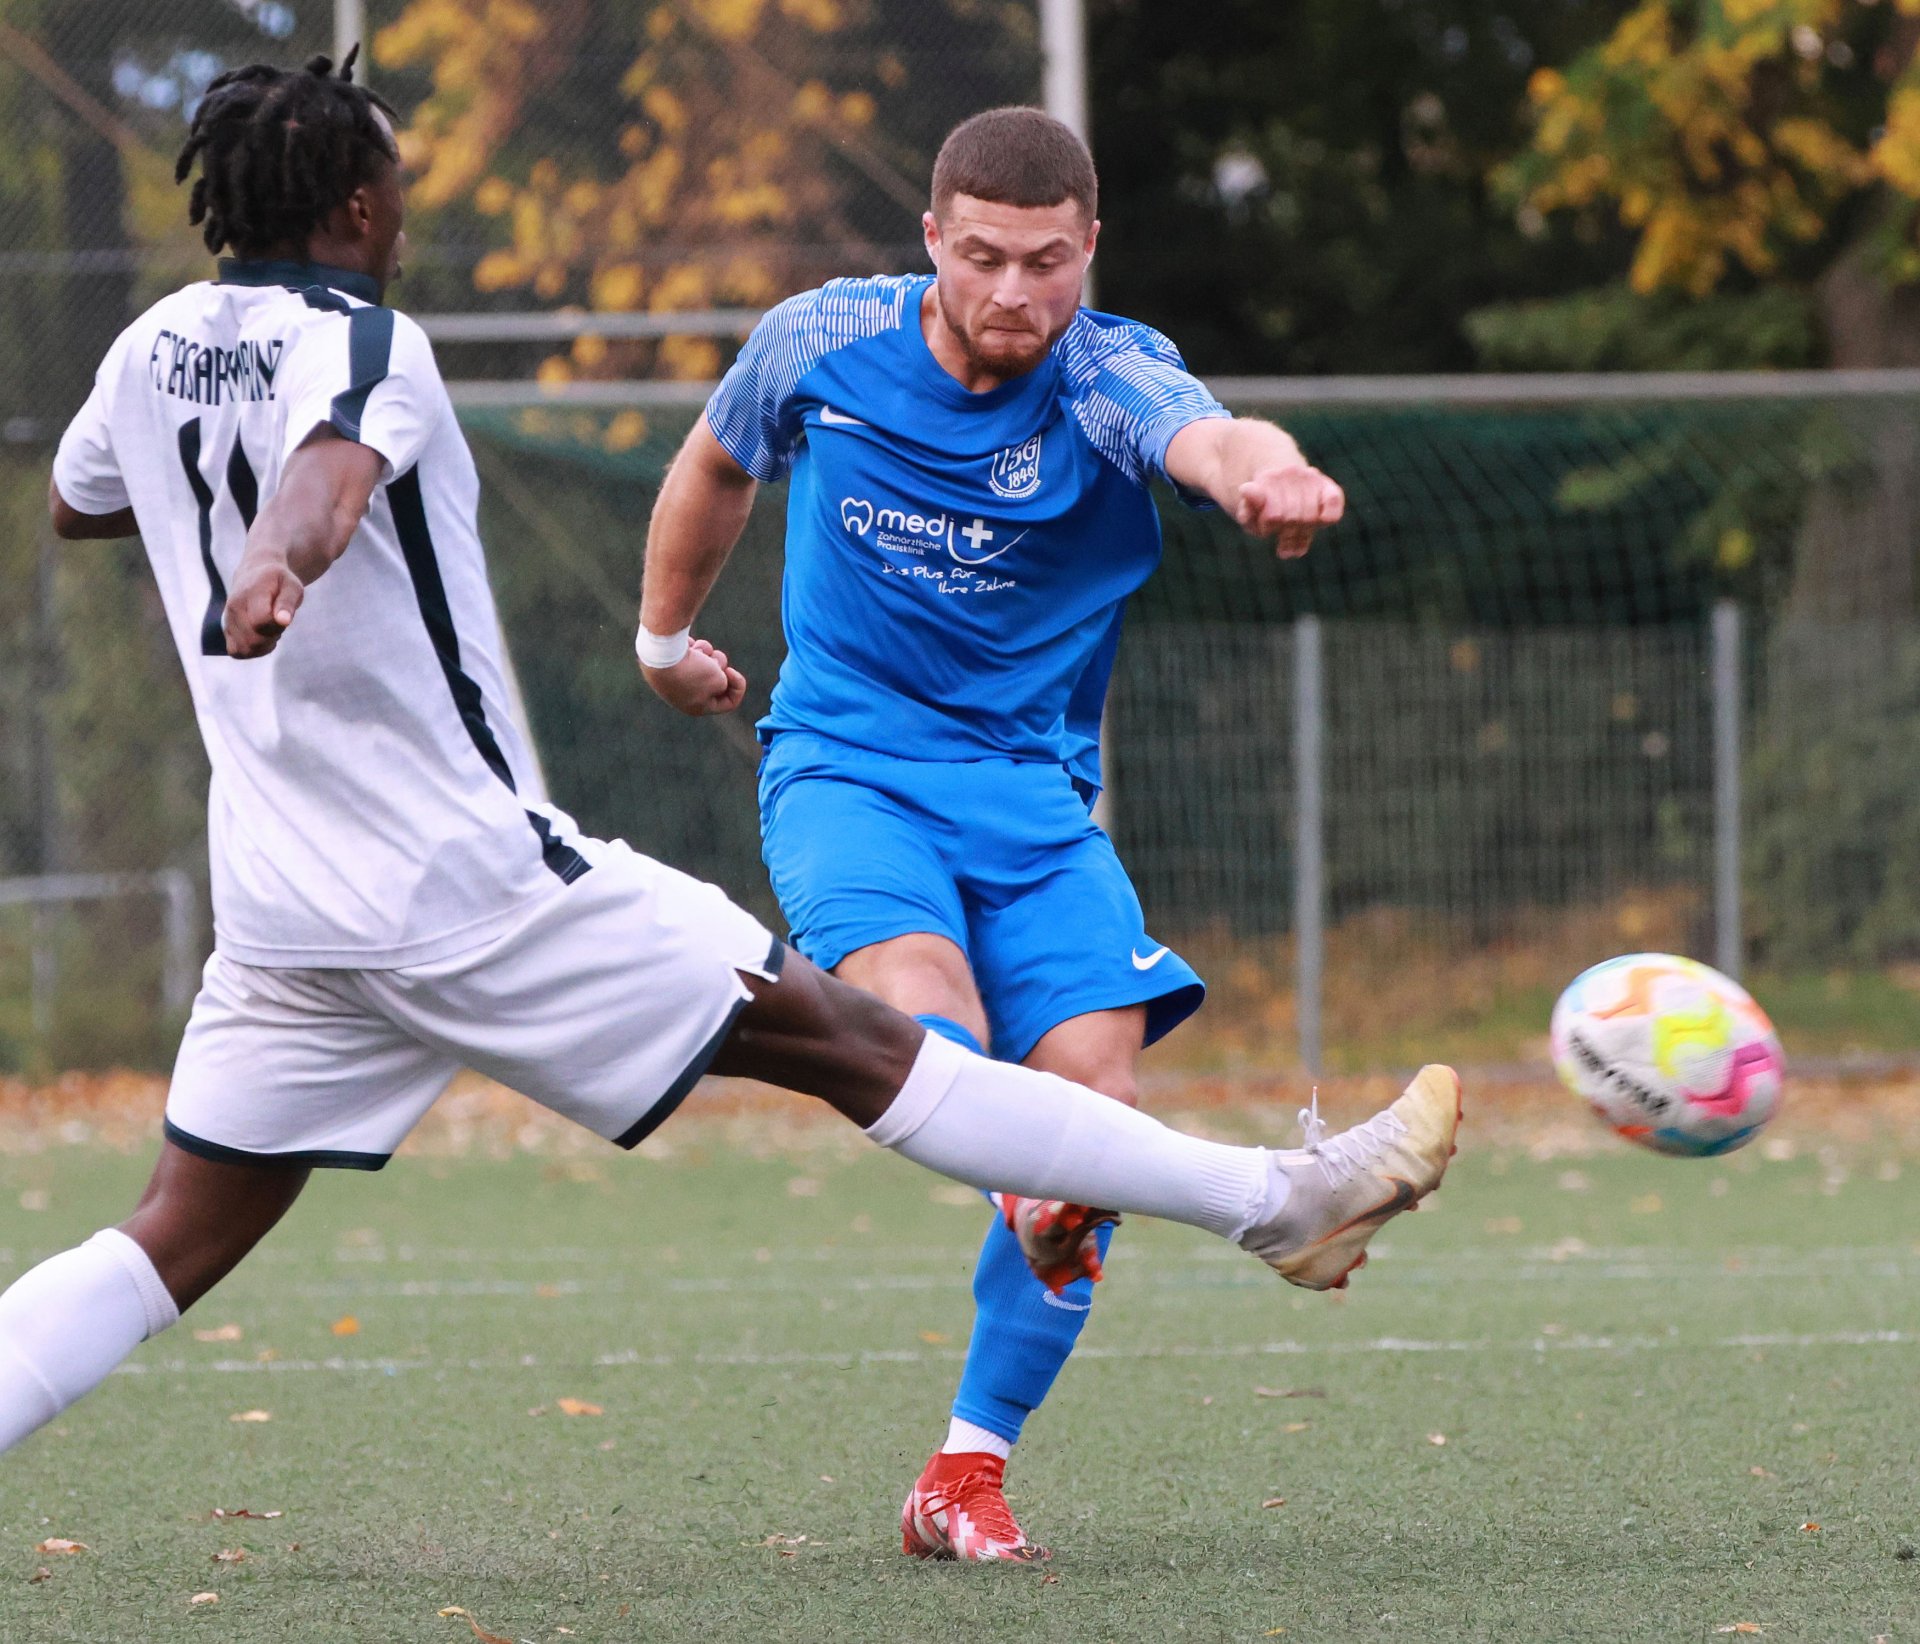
1345, 1188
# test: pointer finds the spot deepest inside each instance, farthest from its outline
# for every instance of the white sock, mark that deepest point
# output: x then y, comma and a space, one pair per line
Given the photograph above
965, 1439
68, 1322
996, 1126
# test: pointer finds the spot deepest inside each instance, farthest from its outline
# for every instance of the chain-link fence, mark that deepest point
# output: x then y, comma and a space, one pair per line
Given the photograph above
1594, 666
1525, 682
1490, 696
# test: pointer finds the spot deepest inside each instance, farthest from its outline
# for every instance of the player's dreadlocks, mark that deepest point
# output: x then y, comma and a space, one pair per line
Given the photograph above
278, 150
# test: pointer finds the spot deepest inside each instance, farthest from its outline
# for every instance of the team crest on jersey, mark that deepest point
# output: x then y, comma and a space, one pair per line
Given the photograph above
1015, 472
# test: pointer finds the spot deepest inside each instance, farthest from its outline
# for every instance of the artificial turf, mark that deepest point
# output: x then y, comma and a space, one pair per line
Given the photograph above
1674, 1398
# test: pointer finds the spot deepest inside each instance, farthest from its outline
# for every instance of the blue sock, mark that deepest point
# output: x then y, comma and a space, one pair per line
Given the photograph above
1022, 1334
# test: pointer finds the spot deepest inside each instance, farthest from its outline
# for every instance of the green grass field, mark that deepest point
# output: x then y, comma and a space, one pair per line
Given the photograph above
1653, 1380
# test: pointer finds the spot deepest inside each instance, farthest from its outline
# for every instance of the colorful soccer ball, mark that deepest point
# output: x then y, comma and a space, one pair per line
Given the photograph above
1669, 1053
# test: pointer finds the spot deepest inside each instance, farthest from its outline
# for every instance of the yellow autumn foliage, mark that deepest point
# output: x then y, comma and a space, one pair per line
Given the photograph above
1712, 130
712, 171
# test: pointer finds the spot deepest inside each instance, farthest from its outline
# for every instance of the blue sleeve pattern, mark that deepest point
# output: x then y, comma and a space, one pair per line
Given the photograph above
751, 412
1131, 393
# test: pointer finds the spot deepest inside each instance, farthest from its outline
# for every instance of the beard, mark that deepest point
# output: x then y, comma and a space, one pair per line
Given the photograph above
997, 351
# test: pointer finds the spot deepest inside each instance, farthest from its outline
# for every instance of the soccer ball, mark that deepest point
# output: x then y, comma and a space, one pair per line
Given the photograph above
1669, 1053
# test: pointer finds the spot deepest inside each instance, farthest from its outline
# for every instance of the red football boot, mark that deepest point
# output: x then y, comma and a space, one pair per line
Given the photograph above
1060, 1240
957, 1510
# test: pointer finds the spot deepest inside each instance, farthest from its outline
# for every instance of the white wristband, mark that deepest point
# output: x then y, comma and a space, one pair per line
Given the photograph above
659, 650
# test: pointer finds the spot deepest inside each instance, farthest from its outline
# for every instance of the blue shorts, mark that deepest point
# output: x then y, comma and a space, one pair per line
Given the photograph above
997, 855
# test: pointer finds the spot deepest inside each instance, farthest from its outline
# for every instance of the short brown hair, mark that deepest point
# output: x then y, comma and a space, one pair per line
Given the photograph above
1016, 157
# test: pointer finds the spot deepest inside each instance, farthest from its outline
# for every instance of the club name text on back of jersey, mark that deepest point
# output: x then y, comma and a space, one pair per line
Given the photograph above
207, 373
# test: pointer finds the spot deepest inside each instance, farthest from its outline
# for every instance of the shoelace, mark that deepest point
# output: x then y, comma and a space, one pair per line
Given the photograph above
990, 1513
1352, 1151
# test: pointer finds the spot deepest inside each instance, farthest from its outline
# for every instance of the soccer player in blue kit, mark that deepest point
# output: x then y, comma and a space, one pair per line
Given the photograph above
970, 456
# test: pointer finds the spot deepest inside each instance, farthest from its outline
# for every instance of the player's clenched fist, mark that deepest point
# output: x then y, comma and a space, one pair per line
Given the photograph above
264, 597
701, 682
1289, 505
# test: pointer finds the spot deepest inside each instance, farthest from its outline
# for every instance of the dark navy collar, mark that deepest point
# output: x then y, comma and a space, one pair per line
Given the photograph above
274, 271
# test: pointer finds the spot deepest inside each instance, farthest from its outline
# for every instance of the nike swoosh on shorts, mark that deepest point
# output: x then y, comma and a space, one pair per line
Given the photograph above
839, 419
1150, 961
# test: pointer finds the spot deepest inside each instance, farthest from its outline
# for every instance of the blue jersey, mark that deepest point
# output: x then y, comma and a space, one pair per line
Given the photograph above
956, 562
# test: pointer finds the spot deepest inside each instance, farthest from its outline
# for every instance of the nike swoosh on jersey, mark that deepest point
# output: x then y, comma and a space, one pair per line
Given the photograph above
1150, 961
838, 419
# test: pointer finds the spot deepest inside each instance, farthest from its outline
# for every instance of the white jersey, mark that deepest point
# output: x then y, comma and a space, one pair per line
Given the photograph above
372, 805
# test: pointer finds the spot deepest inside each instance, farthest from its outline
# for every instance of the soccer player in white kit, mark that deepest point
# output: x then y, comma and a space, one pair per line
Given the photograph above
393, 899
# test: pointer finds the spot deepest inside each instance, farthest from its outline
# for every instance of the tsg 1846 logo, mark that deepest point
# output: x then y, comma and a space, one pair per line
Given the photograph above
1015, 472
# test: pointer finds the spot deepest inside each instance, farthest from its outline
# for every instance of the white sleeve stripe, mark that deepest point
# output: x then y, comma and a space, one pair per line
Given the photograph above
1131, 393
748, 411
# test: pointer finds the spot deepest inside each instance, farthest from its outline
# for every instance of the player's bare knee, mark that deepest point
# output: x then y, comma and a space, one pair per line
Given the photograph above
1118, 1080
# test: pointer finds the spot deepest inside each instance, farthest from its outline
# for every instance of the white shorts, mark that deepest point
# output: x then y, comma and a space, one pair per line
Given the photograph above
605, 1004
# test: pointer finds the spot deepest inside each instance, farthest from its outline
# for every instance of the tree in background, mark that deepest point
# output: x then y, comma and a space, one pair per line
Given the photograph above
1758, 152
704, 153
1304, 188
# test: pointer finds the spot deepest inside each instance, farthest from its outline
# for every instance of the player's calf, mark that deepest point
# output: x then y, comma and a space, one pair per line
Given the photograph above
67, 1323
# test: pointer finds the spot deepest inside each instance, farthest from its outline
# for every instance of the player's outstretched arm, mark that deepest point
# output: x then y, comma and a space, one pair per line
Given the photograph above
305, 526
1256, 473
701, 511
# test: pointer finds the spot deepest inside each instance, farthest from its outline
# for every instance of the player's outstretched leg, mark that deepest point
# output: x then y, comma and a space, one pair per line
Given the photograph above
65, 1324
1000, 1127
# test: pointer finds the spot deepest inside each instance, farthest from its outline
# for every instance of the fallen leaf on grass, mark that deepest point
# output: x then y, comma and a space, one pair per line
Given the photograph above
1436, 1438
58, 1544
1274, 1501
1739, 1627
348, 1326
251, 1415
1050, 1580
547, 1291
779, 1540
221, 1332
230, 1555
204, 1598
1651, 1204
935, 1338
578, 1407
1810, 1528
245, 1512
39, 1575
1759, 1472
1289, 1392
479, 1631
1296, 1426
